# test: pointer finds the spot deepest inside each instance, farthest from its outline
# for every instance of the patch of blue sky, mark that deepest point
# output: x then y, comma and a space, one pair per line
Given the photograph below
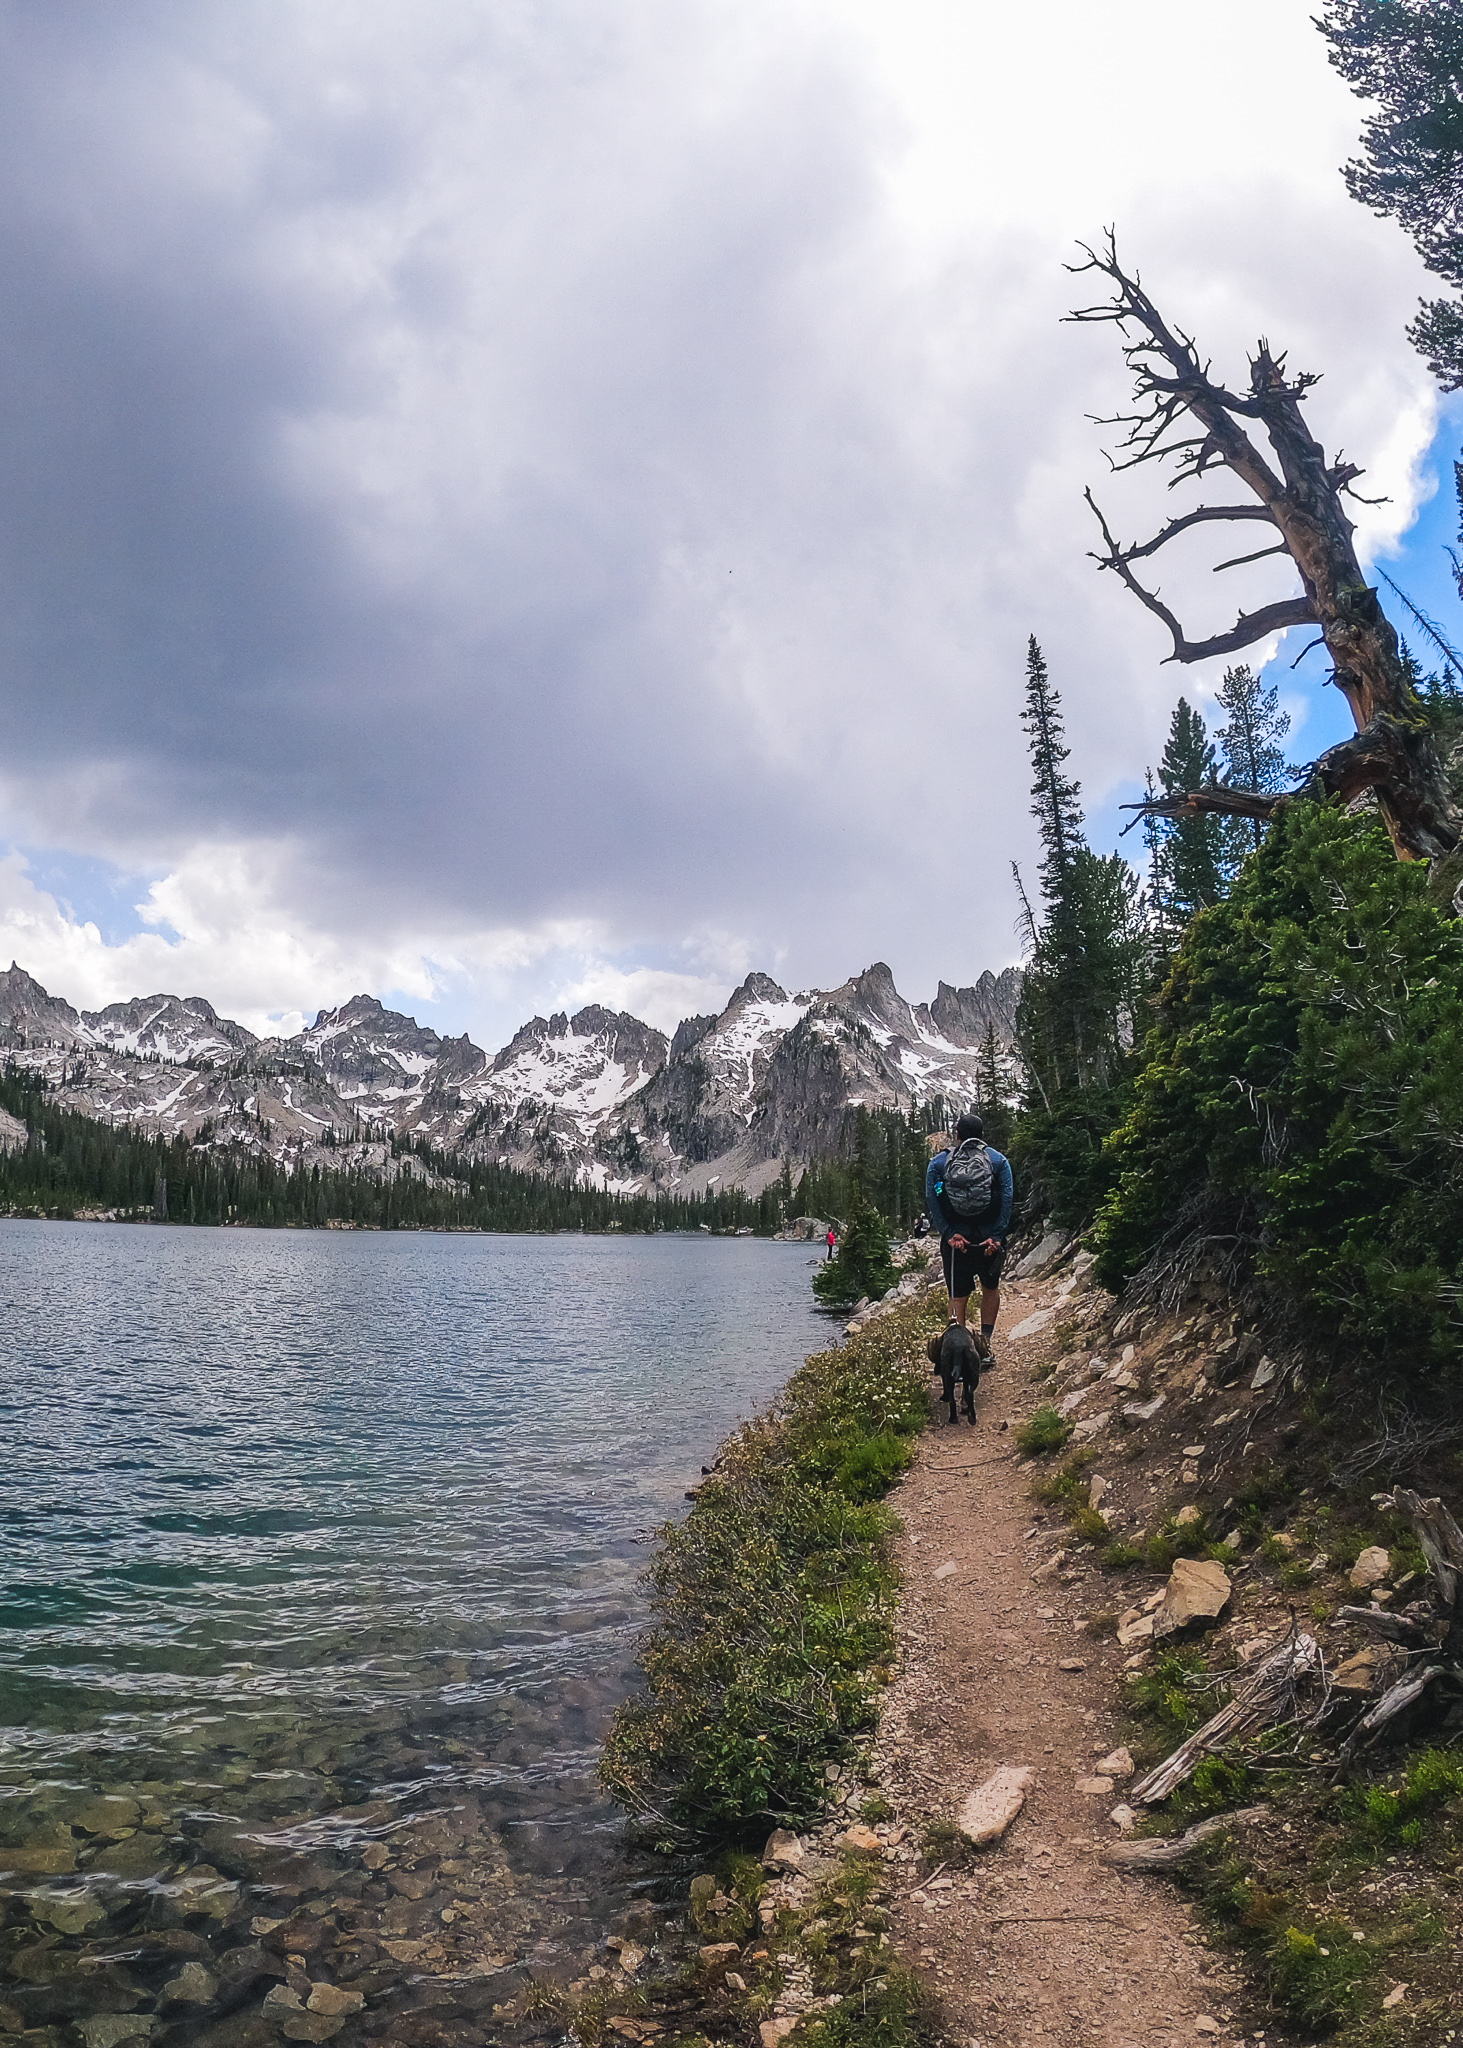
89, 890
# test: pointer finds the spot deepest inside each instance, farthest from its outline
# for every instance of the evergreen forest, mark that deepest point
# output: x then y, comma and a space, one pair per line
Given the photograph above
73, 1164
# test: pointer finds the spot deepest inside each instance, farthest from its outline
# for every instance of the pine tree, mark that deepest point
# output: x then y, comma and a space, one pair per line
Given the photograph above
1195, 849
1055, 798
1250, 744
991, 1093
1155, 838
1405, 58
861, 1265
1088, 954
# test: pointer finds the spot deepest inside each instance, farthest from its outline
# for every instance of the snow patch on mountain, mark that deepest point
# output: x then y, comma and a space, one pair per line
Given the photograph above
600, 1096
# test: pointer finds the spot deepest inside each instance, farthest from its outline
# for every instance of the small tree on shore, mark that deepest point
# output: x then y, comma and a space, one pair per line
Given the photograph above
861, 1265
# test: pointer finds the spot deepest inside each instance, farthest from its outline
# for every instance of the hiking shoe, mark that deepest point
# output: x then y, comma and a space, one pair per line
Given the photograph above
981, 1342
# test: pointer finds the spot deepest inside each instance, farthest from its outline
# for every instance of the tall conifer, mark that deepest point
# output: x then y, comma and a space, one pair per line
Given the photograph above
1088, 953
1250, 744
1055, 797
1194, 855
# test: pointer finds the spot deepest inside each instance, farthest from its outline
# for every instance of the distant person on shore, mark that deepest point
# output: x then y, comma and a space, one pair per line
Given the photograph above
968, 1195
832, 1241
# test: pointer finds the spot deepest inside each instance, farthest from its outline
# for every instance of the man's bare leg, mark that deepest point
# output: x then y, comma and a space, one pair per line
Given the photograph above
990, 1307
958, 1305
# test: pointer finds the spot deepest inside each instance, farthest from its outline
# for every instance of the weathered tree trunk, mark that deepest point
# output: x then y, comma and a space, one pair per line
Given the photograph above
1299, 493
1268, 1693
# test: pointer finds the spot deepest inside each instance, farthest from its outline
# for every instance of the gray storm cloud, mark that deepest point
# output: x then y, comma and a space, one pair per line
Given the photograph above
517, 461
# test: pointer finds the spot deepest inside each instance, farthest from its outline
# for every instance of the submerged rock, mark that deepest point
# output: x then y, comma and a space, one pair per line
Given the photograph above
69, 1912
193, 1985
111, 2029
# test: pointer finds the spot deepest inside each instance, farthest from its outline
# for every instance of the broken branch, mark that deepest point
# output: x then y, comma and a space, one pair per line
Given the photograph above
1247, 629
1262, 1701
1155, 1855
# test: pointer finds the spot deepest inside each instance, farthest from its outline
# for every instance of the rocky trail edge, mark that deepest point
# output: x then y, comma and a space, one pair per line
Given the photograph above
1038, 1939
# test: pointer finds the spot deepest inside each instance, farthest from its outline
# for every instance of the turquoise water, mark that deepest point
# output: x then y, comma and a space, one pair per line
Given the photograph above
320, 1581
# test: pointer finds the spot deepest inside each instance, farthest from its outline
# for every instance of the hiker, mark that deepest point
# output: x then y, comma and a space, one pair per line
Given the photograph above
832, 1241
968, 1193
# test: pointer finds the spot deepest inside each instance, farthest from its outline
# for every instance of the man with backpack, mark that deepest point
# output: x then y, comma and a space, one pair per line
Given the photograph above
968, 1194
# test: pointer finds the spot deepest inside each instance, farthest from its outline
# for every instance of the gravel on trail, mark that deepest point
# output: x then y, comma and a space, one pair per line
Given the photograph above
1037, 1938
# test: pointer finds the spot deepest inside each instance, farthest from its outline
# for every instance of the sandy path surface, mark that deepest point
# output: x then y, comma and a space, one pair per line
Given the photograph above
1039, 1940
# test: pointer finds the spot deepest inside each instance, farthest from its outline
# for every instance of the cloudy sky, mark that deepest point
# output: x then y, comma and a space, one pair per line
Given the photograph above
505, 505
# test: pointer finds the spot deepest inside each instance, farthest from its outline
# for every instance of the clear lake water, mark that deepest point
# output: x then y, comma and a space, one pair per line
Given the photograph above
321, 1581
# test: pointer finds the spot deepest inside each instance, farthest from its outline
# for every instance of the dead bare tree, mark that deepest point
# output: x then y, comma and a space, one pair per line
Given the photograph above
1298, 493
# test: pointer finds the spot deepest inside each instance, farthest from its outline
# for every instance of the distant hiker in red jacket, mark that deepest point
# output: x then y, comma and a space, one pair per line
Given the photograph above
832, 1240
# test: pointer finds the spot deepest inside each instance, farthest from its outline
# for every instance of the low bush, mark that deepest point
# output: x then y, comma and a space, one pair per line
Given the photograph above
1433, 1779
773, 1602
1314, 1975
1175, 1690
1043, 1432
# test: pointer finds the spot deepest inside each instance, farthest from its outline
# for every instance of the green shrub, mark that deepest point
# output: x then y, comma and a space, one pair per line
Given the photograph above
1302, 1086
1045, 1431
773, 1602
1175, 1691
1217, 1785
891, 2012
1314, 1975
1432, 1779
1089, 1525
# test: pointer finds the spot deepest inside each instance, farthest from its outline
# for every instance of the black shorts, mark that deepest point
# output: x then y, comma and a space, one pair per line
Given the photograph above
963, 1269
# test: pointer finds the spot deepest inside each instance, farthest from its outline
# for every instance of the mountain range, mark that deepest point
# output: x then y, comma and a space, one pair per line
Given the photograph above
599, 1096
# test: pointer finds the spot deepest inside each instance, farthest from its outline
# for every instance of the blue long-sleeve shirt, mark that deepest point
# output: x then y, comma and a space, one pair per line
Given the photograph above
997, 1219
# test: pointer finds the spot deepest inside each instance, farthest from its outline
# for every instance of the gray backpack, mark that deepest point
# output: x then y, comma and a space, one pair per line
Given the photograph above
968, 1178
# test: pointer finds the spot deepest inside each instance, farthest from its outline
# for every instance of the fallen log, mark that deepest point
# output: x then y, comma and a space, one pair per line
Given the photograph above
1392, 1703
1262, 1701
1156, 1855
1395, 1627
1442, 1546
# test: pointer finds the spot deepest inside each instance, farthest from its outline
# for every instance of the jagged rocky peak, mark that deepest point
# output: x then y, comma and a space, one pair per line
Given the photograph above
610, 1034
757, 988
963, 1015
872, 998
175, 1028
635, 1045
368, 1045
689, 1034
458, 1061
27, 1012
750, 1028
579, 1069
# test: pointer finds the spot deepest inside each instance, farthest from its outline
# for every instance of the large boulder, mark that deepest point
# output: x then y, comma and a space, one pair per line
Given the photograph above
1197, 1590
1042, 1254
1372, 1568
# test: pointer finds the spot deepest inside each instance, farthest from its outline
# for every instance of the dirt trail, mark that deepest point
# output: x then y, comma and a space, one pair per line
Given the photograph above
1041, 1941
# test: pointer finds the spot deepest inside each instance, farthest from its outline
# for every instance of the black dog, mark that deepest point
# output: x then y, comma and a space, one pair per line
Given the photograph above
957, 1360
